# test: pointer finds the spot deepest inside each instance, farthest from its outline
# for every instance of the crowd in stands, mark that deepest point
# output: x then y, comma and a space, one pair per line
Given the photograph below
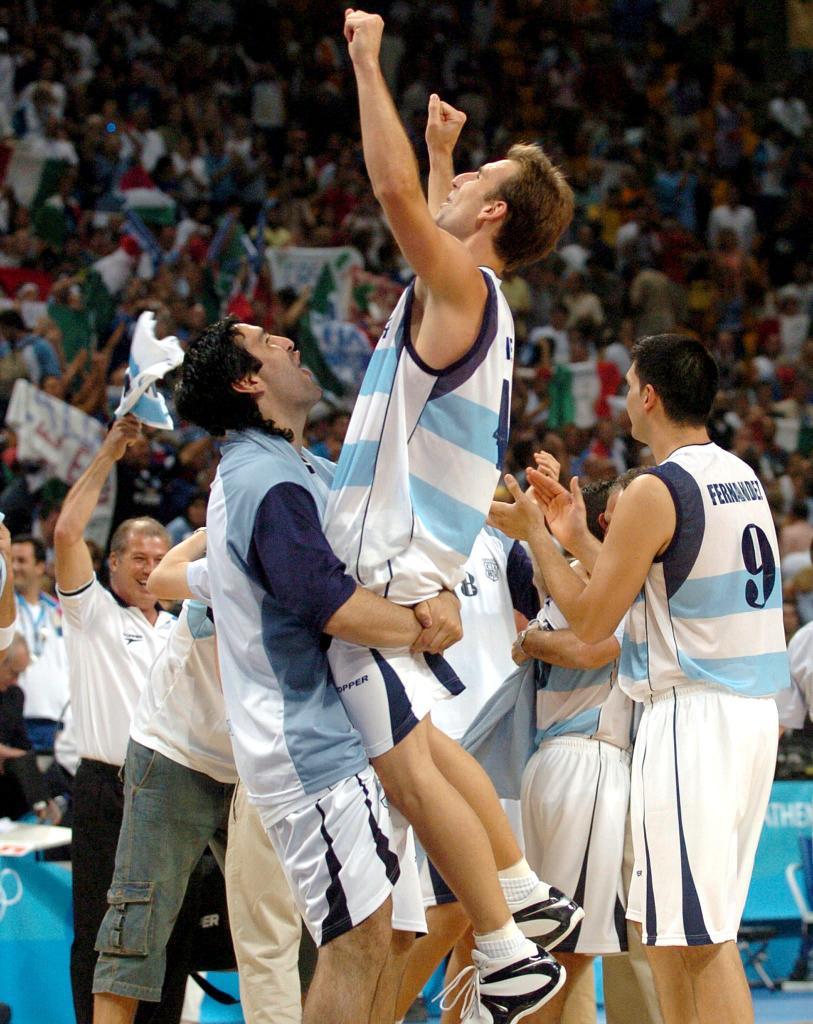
231, 128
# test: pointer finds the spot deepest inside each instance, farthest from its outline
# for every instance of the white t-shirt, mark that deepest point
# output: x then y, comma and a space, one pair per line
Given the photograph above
45, 681
795, 702
65, 753
111, 647
497, 574
181, 713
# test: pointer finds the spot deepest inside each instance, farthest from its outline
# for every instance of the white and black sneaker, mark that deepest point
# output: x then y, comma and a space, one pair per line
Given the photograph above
547, 916
505, 990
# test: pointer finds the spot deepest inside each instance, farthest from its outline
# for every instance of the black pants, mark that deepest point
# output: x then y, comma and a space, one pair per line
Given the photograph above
22, 785
98, 803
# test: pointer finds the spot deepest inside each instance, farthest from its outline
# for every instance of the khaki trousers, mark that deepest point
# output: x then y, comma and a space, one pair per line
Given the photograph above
265, 923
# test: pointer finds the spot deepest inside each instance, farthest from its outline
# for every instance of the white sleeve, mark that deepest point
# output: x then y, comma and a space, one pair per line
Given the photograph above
800, 656
197, 579
791, 707
81, 607
7, 633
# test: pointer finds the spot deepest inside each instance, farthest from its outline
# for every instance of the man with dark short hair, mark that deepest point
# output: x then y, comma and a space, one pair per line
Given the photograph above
692, 553
112, 638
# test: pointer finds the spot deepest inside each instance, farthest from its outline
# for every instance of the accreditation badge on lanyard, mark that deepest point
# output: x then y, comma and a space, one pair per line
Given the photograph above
35, 627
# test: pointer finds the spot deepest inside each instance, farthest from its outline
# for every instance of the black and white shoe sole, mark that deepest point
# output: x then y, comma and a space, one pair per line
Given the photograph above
566, 915
507, 1016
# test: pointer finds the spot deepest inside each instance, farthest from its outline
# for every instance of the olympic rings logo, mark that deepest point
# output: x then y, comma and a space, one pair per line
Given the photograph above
9, 896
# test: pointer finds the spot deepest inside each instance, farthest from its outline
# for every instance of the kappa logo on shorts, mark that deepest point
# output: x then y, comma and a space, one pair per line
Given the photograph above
353, 682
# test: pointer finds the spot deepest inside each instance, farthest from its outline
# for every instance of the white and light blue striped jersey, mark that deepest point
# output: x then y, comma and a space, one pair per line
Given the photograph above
581, 702
711, 607
270, 571
498, 578
422, 457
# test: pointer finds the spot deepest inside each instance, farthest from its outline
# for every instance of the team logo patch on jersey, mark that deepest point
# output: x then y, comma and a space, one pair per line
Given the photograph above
492, 569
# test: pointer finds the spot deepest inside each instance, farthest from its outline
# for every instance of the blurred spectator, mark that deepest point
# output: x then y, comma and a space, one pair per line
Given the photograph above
789, 110
193, 518
735, 216
23, 353
796, 533
654, 298
45, 680
177, 161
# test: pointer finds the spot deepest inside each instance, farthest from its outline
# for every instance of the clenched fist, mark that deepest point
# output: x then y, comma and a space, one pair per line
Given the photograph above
443, 125
363, 33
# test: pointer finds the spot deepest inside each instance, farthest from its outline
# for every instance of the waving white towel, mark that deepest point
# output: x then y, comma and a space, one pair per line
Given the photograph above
151, 359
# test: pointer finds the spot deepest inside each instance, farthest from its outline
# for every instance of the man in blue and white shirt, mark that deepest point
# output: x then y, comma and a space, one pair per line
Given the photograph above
692, 560
278, 595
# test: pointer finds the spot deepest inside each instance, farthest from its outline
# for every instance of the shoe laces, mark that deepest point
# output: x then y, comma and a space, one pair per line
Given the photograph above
467, 982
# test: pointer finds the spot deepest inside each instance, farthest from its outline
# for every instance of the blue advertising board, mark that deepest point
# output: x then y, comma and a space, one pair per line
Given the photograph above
36, 931
789, 815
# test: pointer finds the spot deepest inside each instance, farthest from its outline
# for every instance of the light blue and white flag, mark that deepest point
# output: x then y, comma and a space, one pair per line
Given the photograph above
151, 359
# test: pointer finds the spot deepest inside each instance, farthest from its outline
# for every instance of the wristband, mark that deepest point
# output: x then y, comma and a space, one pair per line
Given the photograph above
7, 634
533, 624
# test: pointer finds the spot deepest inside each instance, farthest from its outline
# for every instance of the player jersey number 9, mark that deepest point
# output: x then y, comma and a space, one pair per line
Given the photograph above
760, 564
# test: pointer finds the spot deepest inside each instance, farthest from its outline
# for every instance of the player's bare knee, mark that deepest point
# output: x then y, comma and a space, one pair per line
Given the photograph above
406, 779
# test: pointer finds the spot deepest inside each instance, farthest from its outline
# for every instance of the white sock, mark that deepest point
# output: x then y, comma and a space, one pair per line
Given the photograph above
504, 941
518, 881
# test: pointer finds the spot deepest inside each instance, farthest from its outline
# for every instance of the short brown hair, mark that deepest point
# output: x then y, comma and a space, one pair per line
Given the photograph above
145, 525
540, 207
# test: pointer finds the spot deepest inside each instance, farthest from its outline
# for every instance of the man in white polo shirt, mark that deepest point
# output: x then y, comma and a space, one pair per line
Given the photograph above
112, 637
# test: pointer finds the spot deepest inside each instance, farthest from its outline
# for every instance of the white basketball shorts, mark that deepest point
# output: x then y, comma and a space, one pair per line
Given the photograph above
342, 861
701, 777
386, 693
575, 796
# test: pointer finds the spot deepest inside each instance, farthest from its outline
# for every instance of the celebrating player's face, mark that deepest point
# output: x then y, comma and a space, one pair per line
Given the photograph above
280, 372
458, 214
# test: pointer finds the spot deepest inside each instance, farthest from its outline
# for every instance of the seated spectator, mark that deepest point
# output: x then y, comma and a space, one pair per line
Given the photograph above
22, 786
